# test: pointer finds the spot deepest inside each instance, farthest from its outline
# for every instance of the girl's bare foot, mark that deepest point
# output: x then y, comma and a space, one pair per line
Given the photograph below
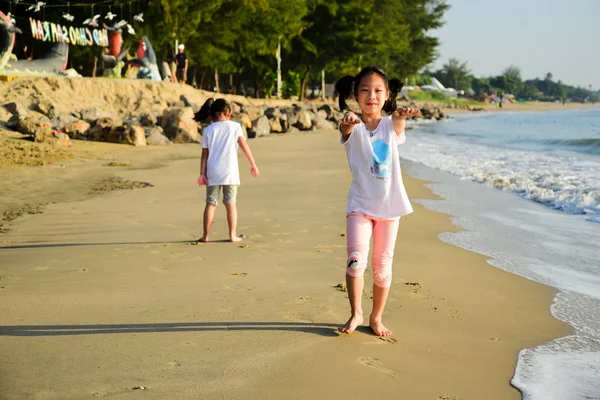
203, 239
235, 239
378, 328
352, 324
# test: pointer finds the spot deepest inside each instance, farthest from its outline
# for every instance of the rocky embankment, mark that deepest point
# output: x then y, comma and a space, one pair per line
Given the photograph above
55, 110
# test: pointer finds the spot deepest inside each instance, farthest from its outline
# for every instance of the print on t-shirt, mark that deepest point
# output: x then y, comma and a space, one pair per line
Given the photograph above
382, 159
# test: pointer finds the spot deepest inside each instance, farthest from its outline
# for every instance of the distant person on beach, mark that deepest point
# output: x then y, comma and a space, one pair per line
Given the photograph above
181, 61
377, 198
219, 168
170, 60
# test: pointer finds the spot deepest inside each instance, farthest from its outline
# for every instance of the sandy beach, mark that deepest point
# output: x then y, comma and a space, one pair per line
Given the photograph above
104, 292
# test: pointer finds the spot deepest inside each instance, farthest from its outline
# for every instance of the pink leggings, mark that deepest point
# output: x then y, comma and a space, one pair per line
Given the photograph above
359, 228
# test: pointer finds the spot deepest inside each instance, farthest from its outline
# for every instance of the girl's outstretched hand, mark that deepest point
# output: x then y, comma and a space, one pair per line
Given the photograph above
349, 119
203, 180
254, 171
405, 113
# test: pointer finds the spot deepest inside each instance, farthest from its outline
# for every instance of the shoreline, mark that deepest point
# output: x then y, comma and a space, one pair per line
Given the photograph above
447, 306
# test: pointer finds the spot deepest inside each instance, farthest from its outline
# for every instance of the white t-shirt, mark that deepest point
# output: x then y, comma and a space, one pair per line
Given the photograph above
221, 140
377, 188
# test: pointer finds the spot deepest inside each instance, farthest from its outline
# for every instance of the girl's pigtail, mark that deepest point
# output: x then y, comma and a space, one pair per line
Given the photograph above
204, 112
395, 86
343, 87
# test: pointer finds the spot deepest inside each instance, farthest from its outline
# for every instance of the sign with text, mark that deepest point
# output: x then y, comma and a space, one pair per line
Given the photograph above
81, 36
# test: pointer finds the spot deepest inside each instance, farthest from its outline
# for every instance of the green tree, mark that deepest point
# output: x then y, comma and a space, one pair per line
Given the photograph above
454, 74
511, 77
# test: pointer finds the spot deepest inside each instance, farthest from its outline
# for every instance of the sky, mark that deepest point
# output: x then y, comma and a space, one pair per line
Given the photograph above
538, 36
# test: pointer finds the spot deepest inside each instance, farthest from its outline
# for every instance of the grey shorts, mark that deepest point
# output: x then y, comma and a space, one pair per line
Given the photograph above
229, 194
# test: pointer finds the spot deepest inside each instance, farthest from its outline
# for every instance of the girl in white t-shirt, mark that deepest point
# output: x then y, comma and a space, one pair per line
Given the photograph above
219, 163
377, 198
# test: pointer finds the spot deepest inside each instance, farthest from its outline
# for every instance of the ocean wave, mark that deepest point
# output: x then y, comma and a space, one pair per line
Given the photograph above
567, 184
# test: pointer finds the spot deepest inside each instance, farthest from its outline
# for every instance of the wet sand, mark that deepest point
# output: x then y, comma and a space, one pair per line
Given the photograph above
103, 293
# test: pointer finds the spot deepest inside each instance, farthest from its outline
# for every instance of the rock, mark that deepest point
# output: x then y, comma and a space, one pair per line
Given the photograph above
291, 115
327, 109
322, 115
44, 133
179, 125
13, 123
292, 129
244, 120
138, 135
77, 129
5, 115
63, 120
254, 112
155, 137
304, 121
261, 127
102, 130
48, 108
283, 120
325, 124
188, 103
236, 107
62, 139
17, 110
37, 128
336, 116
90, 115
272, 112
149, 119
275, 125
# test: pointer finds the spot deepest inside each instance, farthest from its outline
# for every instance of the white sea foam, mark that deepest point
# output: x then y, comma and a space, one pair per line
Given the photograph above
550, 247
565, 183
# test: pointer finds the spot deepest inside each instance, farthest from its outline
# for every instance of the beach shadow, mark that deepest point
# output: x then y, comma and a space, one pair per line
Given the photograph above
70, 330
52, 245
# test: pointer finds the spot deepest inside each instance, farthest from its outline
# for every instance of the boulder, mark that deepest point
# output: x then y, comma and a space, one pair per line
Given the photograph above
16, 110
325, 124
327, 109
138, 135
275, 124
77, 129
187, 102
179, 125
149, 119
304, 121
102, 130
40, 128
48, 108
261, 127
155, 137
254, 112
272, 112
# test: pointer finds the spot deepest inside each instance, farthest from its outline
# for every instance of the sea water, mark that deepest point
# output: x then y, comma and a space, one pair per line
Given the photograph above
526, 187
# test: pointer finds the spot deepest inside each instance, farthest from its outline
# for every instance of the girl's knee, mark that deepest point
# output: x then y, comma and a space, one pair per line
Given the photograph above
356, 264
382, 273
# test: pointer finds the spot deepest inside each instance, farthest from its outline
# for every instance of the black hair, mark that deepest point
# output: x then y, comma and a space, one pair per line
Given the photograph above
212, 108
348, 86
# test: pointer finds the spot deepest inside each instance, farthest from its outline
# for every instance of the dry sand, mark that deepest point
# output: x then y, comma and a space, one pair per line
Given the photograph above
102, 294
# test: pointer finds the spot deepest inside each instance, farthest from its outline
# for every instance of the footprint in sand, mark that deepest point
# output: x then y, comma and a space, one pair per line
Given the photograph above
173, 364
239, 274
376, 364
304, 299
387, 339
247, 246
41, 268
